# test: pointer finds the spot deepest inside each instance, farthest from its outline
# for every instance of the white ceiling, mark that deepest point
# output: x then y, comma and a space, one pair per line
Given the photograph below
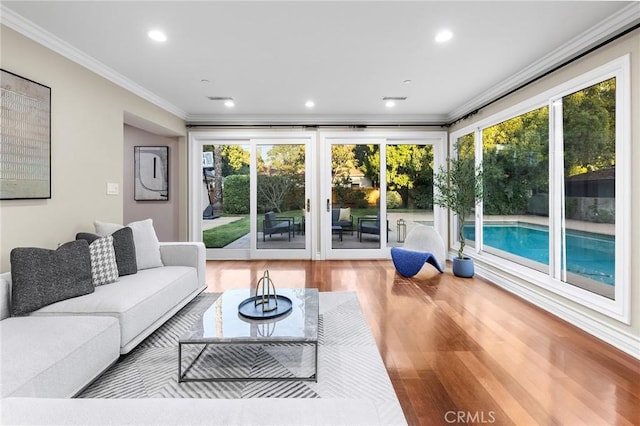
273, 56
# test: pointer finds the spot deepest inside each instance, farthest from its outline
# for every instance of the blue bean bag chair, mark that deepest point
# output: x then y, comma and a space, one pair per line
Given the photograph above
409, 262
422, 245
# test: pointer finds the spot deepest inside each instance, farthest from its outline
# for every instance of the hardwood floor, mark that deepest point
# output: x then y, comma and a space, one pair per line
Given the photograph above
463, 351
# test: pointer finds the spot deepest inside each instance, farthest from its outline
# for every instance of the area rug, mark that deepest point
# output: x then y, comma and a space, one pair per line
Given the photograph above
349, 364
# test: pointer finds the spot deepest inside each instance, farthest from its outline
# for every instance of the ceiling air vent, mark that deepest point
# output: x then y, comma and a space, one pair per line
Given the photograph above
219, 98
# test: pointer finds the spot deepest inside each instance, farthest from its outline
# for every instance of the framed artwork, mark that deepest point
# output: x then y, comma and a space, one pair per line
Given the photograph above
151, 173
25, 138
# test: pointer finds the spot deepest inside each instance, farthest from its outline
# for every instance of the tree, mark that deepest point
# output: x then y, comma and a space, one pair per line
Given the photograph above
459, 189
287, 159
343, 160
273, 191
589, 128
217, 178
368, 156
235, 160
408, 166
515, 162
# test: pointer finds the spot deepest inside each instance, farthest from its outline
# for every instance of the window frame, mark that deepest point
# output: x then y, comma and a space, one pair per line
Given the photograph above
618, 308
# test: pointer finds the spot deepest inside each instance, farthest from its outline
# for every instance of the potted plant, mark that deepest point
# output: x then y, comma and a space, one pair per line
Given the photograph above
459, 189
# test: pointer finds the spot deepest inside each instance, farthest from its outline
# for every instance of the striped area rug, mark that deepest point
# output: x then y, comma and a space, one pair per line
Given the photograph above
349, 364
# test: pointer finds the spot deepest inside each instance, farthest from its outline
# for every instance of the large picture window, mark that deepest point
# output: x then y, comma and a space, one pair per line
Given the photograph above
556, 189
589, 214
515, 159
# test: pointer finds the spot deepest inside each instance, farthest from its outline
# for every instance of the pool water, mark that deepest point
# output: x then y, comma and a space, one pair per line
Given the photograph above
589, 255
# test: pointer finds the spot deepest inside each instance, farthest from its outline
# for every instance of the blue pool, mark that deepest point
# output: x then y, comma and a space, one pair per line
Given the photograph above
589, 255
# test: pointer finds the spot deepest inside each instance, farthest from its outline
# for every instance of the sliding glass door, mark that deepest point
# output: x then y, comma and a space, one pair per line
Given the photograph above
376, 188
251, 194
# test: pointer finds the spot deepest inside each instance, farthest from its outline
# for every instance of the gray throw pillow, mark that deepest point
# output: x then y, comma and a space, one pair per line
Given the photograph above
124, 246
41, 277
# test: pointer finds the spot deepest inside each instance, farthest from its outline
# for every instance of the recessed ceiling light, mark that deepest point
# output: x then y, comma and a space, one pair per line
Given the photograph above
229, 103
390, 104
157, 35
444, 36
406, 82
204, 80
309, 104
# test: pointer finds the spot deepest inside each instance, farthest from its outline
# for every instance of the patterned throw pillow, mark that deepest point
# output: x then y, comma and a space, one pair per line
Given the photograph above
104, 269
123, 245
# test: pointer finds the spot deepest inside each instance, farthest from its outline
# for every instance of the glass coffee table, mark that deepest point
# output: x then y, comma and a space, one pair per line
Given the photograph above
222, 340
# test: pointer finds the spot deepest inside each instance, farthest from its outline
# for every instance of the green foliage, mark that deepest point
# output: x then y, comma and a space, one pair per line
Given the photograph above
422, 196
516, 151
236, 194
394, 200
235, 160
459, 189
407, 166
515, 162
343, 160
287, 159
589, 127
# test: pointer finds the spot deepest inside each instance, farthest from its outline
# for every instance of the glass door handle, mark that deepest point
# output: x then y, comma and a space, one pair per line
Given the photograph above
328, 205
308, 205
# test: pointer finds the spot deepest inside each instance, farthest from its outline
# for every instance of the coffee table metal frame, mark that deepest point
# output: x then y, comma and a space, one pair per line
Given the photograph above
254, 340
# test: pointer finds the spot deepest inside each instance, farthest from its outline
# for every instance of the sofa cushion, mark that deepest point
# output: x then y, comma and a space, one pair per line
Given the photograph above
55, 357
5, 295
137, 301
124, 247
104, 269
146, 241
41, 276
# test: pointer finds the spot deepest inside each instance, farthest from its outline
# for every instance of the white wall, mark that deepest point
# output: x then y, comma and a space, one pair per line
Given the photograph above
87, 142
626, 337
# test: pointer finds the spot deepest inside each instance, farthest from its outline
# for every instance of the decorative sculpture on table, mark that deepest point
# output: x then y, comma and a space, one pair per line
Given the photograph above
266, 303
264, 299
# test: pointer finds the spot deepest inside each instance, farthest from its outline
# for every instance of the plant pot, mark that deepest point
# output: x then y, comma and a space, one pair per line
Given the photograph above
463, 267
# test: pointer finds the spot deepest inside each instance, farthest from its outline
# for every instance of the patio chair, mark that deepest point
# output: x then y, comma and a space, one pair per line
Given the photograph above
276, 225
422, 245
346, 225
370, 225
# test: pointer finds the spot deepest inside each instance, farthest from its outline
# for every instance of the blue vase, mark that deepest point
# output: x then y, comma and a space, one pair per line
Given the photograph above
463, 267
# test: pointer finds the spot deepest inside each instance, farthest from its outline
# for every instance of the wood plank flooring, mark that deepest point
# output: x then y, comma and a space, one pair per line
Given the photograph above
463, 351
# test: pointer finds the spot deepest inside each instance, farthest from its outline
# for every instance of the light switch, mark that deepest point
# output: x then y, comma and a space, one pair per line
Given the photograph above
113, 188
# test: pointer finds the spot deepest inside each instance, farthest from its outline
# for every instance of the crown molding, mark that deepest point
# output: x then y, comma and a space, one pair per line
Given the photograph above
321, 120
614, 24
36, 33
620, 21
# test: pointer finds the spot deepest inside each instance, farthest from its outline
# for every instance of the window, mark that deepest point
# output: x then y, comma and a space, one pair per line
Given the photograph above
466, 146
588, 142
556, 174
515, 162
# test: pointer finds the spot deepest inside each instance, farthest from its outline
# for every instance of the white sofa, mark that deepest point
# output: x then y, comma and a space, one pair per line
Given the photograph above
59, 349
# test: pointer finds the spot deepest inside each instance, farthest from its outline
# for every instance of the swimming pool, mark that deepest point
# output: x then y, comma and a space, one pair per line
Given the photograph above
589, 255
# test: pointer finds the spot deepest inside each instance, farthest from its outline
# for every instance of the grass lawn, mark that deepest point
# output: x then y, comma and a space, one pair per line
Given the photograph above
222, 235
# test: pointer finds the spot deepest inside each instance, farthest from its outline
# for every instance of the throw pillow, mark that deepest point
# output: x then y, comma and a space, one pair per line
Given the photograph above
144, 237
41, 277
345, 215
104, 269
124, 247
